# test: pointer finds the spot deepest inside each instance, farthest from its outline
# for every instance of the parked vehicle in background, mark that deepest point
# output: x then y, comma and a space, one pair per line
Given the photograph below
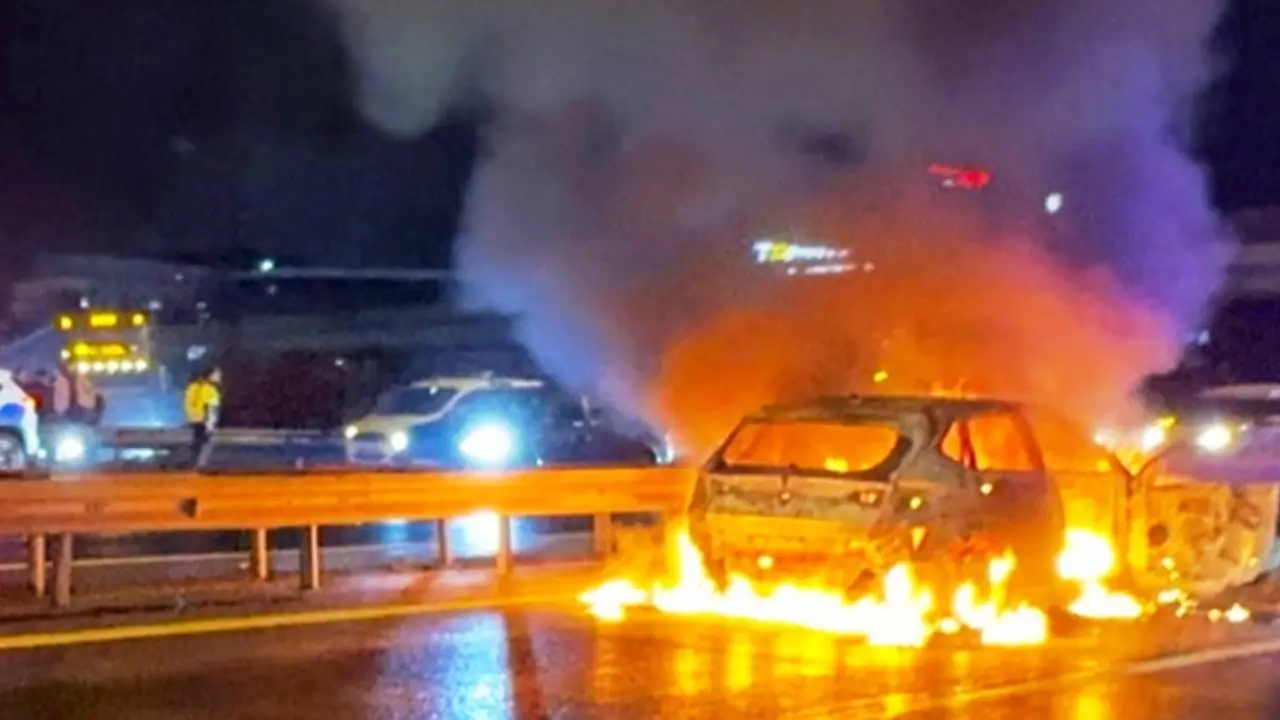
495, 422
19, 427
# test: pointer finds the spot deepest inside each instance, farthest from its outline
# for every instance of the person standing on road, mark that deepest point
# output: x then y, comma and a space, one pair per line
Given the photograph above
62, 391
202, 402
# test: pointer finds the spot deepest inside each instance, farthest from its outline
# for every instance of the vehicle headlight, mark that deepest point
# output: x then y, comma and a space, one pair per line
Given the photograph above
1215, 438
349, 432
1153, 436
488, 444
1106, 438
69, 447
399, 441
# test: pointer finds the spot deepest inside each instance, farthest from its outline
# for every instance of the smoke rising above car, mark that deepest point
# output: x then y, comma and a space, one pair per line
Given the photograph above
640, 149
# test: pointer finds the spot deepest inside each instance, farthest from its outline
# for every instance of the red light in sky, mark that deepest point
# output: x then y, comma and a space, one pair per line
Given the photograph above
963, 177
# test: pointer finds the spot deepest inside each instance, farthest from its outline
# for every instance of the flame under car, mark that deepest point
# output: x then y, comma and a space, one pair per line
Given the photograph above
838, 490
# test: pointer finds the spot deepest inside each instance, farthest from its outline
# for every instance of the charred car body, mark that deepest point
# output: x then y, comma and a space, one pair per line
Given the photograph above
840, 489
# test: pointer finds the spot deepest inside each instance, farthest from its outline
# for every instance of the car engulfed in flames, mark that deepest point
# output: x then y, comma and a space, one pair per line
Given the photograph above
892, 519
838, 491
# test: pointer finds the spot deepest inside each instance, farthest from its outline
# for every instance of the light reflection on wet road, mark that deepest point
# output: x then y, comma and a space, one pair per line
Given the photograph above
557, 663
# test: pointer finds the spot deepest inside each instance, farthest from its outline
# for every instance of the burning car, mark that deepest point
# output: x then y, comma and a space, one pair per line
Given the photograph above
841, 489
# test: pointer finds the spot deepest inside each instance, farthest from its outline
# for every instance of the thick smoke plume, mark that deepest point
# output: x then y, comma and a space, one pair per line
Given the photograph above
642, 146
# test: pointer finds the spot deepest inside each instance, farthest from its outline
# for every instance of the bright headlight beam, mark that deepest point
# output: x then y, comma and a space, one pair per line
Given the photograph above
488, 444
1215, 438
399, 441
69, 448
1153, 436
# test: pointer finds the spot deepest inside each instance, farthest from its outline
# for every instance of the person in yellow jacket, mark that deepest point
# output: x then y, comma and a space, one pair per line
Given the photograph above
202, 402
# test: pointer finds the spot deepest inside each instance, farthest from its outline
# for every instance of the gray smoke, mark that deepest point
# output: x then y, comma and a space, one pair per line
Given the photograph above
641, 145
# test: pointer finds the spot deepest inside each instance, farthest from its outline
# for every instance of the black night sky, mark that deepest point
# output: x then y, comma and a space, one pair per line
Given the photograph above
154, 127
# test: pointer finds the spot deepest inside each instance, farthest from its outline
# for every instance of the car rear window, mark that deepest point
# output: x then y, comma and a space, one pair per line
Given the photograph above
807, 446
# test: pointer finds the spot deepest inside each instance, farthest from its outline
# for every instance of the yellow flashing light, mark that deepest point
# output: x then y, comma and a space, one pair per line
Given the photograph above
104, 320
100, 350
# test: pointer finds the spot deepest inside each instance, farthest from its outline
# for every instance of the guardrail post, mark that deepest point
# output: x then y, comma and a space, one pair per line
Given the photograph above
62, 571
504, 556
309, 558
444, 554
259, 557
37, 565
602, 532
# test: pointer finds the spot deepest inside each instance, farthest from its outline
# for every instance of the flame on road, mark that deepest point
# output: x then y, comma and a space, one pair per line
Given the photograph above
1088, 560
902, 613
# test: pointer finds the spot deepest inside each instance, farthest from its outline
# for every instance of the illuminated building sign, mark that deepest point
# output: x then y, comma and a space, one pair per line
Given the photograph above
777, 252
802, 259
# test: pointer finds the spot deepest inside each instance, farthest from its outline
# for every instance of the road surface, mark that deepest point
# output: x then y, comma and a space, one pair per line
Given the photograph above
553, 662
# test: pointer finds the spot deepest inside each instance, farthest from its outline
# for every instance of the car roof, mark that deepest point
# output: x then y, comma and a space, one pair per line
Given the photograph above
466, 383
840, 407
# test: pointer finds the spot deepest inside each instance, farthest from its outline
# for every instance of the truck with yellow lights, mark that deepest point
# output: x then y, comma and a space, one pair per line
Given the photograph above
108, 344
113, 352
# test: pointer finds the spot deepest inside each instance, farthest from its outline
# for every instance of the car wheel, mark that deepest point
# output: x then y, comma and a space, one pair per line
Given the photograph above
13, 455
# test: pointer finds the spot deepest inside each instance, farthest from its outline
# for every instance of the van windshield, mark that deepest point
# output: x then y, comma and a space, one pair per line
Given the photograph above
415, 401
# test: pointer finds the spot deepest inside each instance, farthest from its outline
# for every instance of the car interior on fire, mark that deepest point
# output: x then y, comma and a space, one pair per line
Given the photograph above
835, 448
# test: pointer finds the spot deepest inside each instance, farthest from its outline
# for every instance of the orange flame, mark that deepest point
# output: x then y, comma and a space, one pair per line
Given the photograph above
1088, 559
903, 613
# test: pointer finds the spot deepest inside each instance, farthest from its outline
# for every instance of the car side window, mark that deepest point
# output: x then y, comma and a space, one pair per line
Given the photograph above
999, 443
565, 412
957, 446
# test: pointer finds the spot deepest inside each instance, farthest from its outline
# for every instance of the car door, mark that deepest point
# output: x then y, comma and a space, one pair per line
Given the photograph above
1091, 480
1019, 507
565, 436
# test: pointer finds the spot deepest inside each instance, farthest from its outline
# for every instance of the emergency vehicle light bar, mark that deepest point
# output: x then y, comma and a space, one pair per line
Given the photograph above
101, 320
110, 367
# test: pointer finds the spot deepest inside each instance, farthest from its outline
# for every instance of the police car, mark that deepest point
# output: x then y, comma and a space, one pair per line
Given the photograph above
489, 422
19, 427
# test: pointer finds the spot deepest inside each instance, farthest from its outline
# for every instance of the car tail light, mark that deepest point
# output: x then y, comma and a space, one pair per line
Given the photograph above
868, 498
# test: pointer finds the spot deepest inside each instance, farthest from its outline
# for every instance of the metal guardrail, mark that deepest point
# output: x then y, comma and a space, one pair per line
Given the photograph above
139, 503
125, 437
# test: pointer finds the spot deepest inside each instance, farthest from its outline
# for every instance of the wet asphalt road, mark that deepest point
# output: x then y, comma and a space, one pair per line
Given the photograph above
556, 663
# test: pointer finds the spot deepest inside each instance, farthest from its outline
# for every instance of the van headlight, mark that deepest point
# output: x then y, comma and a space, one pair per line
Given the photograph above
349, 432
70, 447
399, 441
1153, 436
490, 444
1215, 438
